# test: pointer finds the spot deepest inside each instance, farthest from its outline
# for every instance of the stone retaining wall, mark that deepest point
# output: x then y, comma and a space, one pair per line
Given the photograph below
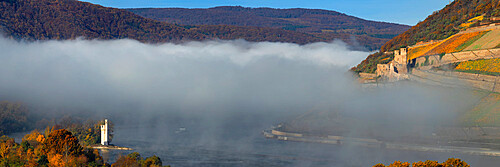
457, 79
367, 75
437, 60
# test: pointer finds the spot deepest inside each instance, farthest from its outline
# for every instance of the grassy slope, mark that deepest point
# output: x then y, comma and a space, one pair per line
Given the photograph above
486, 113
489, 40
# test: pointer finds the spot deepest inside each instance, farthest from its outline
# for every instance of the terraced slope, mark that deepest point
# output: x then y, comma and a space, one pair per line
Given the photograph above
421, 50
440, 25
475, 39
488, 41
456, 43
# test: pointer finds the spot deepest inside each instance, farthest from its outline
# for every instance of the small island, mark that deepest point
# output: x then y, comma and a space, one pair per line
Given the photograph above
108, 147
105, 139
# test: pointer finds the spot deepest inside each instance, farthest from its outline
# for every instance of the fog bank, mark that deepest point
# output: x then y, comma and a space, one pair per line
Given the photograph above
203, 79
125, 75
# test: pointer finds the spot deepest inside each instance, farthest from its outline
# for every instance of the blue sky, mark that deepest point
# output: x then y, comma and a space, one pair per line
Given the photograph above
397, 11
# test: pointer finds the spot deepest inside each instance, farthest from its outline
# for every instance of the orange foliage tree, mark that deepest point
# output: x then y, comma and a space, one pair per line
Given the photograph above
62, 142
135, 160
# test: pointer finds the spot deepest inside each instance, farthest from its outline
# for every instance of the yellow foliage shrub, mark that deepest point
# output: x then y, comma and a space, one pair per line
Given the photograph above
450, 162
34, 138
487, 65
471, 21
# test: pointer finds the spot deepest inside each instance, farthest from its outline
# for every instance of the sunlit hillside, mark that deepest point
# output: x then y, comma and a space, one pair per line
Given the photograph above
441, 25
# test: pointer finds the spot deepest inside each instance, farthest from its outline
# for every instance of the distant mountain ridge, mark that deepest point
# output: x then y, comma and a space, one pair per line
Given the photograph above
69, 19
323, 24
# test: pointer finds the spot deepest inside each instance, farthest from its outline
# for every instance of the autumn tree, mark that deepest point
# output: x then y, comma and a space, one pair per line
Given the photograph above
62, 142
152, 161
126, 161
455, 162
135, 160
34, 138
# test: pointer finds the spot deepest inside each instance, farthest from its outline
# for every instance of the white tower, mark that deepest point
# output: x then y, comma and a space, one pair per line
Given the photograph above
104, 133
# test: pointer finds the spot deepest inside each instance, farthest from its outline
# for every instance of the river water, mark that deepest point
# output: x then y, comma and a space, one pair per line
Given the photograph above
198, 146
248, 147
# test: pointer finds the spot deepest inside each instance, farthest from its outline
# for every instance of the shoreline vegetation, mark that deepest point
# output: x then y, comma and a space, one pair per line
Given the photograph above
454, 162
60, 148
454, 146
68, 141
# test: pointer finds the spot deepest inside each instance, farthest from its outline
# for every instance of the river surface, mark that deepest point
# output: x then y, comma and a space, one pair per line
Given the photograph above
248, 147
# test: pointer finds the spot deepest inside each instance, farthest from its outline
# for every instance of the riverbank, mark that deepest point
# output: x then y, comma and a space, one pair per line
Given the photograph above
374, 143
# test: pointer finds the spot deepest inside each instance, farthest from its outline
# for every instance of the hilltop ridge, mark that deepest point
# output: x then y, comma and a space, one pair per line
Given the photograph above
323, 24
69, 19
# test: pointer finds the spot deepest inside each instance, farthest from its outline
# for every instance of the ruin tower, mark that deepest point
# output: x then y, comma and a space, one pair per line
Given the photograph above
104, 133
396, 53
404, 56
400, 56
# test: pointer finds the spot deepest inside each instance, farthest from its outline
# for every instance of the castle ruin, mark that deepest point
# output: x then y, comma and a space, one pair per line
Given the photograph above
397, 68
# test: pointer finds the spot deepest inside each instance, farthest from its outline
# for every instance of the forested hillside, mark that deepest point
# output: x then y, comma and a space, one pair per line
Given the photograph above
70, 19
254, 34
324, 24
440, 25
